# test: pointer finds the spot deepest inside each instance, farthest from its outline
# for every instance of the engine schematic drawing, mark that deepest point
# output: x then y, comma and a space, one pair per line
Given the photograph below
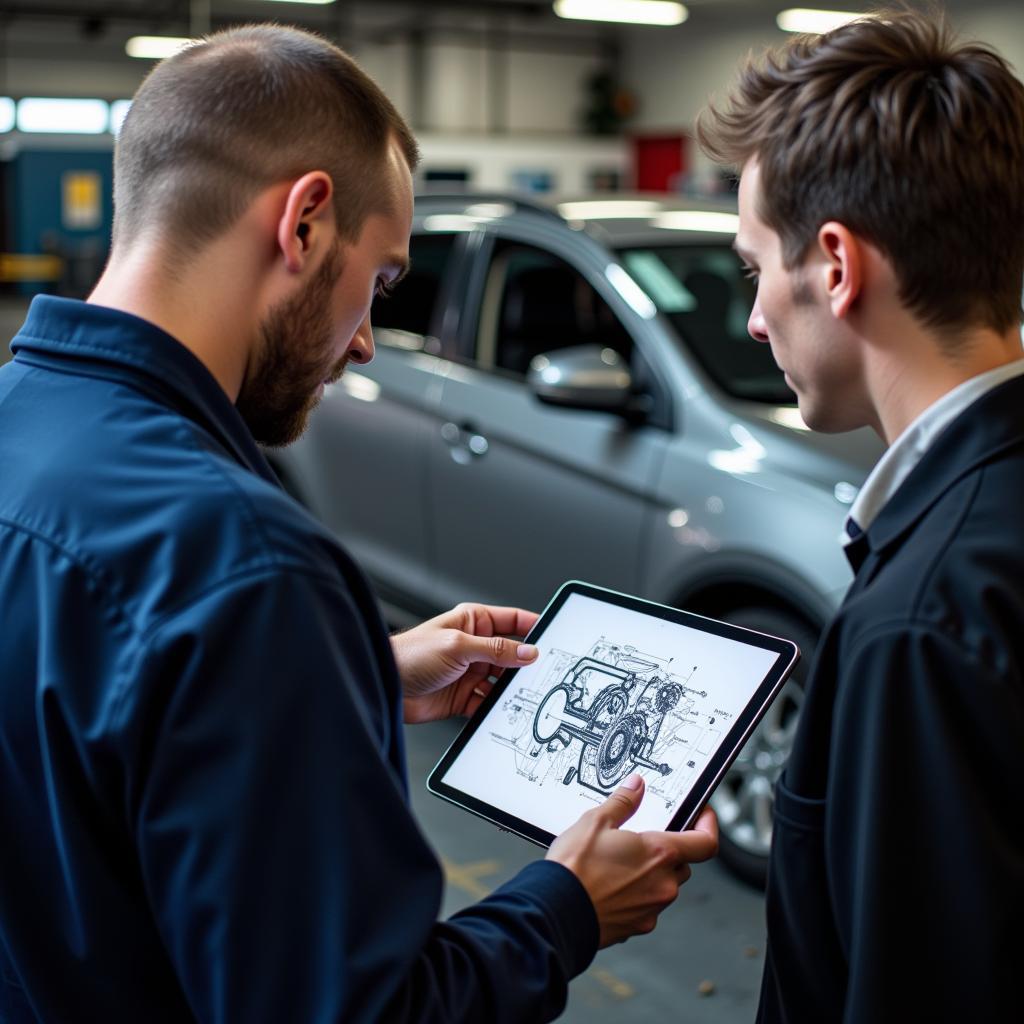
587, 719
615, 712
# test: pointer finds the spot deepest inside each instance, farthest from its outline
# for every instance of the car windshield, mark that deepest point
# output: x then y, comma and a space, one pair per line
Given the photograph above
704, 294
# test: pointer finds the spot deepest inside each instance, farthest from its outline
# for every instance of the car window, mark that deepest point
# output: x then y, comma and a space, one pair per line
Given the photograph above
704, 293
535, 302
410, 308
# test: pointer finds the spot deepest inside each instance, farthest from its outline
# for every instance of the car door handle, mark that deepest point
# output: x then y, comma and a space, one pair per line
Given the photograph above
465, 443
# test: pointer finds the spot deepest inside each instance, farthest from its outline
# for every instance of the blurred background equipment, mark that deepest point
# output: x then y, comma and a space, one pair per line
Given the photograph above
508, 95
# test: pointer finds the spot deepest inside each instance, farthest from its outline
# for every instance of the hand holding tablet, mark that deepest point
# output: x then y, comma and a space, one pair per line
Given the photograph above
630, 877
621, 686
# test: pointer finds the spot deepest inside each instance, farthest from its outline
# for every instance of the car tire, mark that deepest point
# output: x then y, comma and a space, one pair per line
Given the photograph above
744, 800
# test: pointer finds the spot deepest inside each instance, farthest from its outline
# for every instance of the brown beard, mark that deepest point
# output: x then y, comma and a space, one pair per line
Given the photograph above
282, 381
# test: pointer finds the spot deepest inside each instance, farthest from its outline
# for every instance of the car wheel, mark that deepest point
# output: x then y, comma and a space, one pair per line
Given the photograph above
744, 801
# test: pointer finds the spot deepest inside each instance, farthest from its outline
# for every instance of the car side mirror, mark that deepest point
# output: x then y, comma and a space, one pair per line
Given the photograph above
584, 377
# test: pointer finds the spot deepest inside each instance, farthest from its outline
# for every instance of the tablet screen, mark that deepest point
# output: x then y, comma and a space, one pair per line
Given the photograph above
620, 686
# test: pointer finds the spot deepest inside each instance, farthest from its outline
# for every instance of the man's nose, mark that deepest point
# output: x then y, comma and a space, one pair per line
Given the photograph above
361, 349
755, 323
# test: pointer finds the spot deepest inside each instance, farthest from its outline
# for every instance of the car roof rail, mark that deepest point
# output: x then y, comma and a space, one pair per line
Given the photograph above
520, 204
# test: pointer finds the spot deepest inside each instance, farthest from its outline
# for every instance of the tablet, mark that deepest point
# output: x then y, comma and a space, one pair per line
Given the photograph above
621, 685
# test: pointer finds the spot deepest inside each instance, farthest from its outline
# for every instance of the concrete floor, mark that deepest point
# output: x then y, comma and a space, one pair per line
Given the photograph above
712, 937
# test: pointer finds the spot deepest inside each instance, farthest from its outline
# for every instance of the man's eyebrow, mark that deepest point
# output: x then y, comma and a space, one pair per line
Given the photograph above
744, 254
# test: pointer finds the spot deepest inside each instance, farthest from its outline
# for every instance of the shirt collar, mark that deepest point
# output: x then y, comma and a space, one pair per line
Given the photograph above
994, 423
97, 341
909, 448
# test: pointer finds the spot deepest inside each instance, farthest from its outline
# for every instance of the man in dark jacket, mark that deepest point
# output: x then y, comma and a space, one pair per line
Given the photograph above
882, 213
203, 803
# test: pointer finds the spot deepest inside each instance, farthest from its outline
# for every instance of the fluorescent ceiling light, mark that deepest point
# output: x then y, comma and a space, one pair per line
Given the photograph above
7, 108
630, 12
625, 209
155, 47
698, 220
320, 2
805, 19
78, 117
118, 112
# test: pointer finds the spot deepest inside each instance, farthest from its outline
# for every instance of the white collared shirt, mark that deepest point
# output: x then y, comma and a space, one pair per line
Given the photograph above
906, 451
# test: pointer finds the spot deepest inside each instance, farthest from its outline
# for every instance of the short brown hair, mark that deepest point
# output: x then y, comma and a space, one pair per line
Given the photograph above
912, 140
225, 118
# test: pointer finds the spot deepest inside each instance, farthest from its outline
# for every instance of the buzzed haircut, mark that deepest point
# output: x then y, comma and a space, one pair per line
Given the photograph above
911, 139
238, 111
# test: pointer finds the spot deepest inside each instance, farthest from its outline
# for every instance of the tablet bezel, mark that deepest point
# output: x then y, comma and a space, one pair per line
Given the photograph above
787, 654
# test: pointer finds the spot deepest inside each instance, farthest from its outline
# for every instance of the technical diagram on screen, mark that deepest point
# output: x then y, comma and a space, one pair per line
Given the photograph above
621, 686
614, 711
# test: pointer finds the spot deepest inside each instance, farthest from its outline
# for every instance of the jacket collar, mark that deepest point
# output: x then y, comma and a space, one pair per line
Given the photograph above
76, 337
981, 432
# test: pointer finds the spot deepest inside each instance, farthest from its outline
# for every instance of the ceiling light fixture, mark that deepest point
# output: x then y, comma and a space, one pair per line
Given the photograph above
7, 107
72, 116
155, 47
629, 12
814, 22
118, 112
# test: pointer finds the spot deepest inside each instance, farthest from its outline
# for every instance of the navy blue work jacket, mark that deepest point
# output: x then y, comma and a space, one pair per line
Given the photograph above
203, 803
896, 882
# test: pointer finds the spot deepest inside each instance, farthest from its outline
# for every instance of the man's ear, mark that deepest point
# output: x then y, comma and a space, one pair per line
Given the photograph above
307, 224
843, 268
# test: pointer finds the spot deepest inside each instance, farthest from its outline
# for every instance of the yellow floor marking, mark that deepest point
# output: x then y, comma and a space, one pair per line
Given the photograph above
467, 876
619, 988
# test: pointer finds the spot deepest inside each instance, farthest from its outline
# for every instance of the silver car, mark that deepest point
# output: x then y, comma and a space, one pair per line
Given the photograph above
570, 393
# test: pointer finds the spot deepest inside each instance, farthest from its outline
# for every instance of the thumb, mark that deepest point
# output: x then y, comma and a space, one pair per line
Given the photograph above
497, 650
623, 803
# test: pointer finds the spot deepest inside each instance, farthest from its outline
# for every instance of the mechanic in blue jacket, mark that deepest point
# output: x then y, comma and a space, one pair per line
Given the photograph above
203, 802
881, 208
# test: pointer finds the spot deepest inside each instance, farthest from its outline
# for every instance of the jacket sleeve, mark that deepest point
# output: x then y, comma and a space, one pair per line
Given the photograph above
925, 834
283, 867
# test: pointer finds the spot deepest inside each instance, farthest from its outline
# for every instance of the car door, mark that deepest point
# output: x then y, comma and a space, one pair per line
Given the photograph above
524, 496
362, 466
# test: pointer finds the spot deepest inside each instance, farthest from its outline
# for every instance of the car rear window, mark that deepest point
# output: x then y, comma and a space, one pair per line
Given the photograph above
705, 296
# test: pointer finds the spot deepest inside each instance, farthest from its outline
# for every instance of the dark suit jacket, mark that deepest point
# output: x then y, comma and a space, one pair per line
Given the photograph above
896, 889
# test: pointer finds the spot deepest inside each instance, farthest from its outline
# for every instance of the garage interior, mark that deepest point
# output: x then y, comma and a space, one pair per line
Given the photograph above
511, 104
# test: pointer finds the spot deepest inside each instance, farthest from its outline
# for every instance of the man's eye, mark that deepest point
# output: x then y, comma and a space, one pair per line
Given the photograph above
384, 288
750, 274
